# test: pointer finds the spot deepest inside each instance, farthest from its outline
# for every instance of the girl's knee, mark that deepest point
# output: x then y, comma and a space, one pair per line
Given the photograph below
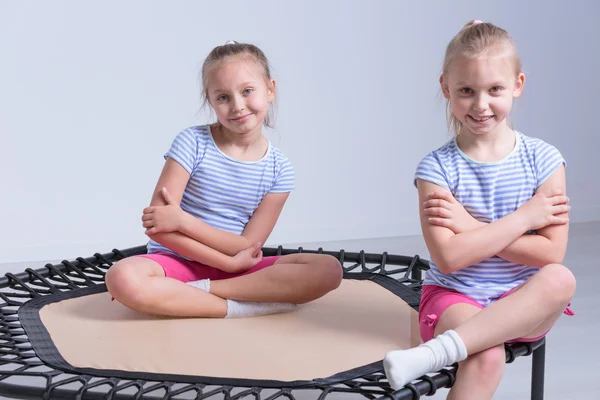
325, 271
331, 272
114, 278
489, 363
121, 281
559, 281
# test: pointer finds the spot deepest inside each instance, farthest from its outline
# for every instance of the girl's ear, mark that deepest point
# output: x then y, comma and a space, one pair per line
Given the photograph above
271, 89
519, 85
444, 86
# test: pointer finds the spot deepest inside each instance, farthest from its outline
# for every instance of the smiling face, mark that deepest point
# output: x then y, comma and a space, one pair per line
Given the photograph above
240, 94
481, 91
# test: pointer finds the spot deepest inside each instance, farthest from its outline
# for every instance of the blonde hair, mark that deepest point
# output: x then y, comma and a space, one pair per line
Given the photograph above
232, 49
474, 39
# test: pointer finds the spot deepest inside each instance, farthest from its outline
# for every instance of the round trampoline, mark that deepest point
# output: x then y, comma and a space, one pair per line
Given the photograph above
62, 338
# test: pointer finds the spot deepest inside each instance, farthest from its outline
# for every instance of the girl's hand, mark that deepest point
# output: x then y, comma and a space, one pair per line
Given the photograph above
161, 219
444, 210
542, 210
246, 259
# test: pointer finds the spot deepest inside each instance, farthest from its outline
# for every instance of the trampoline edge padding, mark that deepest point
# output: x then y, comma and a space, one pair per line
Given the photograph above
46, 350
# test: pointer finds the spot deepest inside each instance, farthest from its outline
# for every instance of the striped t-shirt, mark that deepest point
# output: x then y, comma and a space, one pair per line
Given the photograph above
489, 191
222, 191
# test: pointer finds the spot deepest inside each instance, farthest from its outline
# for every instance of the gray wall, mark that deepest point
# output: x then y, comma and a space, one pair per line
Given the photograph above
92, 93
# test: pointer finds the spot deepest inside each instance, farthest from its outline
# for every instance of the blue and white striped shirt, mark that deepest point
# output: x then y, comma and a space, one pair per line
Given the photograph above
222, 191
489, 191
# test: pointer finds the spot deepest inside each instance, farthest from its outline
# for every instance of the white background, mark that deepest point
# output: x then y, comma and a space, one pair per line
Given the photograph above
92, 94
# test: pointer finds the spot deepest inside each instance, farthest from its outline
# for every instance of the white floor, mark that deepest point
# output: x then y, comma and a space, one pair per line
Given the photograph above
572, 354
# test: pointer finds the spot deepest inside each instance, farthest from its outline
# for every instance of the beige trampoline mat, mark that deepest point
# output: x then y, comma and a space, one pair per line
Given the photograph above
352, 326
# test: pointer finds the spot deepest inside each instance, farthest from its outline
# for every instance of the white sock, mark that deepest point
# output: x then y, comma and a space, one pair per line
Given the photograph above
404, 366
203, 284
242, 309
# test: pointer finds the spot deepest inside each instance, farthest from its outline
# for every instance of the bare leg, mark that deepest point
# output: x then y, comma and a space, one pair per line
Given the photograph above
528, 312
140, 284
479, 375
295, 278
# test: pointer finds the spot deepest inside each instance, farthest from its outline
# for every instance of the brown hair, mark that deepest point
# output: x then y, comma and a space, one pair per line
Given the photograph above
474, 39
234, 49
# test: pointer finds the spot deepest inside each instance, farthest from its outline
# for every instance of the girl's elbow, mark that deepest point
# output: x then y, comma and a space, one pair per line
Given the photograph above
555, 254
157, 237
251, 240
445, 269
442, 264
556, 257
449, 263
235, 247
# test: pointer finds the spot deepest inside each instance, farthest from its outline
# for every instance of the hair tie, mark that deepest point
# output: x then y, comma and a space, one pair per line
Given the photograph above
230, 42
477, 21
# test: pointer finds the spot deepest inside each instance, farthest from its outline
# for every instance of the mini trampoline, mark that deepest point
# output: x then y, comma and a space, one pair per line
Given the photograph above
62, 338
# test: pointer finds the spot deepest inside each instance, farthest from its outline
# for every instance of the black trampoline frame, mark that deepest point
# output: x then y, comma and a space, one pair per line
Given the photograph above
18, 359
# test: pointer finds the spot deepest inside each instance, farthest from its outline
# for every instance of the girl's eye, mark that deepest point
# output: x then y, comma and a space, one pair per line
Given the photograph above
248, 91
495, 89
466, 90
222, 98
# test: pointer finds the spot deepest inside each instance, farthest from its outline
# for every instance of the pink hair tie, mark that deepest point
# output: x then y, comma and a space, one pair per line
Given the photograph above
477, 21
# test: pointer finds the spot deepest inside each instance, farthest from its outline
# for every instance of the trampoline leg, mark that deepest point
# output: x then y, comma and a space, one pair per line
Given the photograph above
538, 364
416, 275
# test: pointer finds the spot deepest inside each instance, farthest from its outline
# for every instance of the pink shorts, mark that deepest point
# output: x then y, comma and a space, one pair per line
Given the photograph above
436, 299
186, 271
